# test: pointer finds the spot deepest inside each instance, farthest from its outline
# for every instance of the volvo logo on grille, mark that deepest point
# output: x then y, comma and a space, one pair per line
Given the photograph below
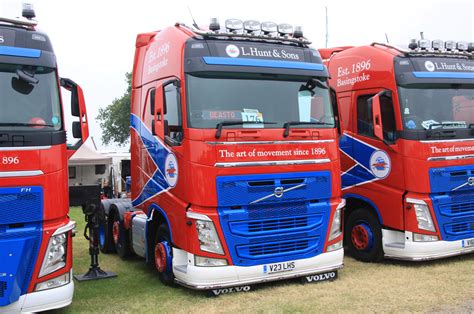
470, 181
279, 192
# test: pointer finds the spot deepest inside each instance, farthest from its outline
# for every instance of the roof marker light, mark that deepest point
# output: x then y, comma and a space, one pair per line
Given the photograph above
437, 44
214, 25
269, 27
298, 33
28, 11
461, 46
470, 47
285, 29
413, 44
424, 44
233, 24
251, 26
449, 45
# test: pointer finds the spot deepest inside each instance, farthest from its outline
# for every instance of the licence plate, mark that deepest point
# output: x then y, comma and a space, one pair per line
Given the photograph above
468, 242
278, 267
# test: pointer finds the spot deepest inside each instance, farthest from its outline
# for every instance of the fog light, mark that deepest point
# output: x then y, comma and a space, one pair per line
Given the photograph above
417, 237
335, 246
54, 283
269, 27
209, 262
251, 26
462, 46
234, 24
449, 45
437, 44
285, 29
424, 44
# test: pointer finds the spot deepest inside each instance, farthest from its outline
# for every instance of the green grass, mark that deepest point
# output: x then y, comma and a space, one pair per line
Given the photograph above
445, 285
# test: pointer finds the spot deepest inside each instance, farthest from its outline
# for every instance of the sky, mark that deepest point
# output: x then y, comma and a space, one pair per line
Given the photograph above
94, 40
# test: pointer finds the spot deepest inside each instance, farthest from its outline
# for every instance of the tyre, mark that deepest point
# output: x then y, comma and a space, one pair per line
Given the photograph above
106, 239
163, 255
363, 236
121, 238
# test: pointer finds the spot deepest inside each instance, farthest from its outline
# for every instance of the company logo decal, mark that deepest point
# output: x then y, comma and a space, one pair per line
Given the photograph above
232, 51
380, 164
171, 169
470, 181
429, 66
362, 163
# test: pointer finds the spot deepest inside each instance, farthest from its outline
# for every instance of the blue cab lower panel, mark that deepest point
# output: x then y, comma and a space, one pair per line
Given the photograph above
452, 197
21, 215
260, 227
19, 249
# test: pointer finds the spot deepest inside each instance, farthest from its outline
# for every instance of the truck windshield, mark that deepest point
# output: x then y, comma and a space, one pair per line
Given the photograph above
29, 98
253, 101
441, 106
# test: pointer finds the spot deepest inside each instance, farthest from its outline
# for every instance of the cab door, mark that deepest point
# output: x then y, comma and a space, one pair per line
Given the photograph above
378, 164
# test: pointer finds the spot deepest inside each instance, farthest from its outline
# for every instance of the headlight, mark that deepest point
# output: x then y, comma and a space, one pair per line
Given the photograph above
208, 238
206, 232
336, 226
209, 262
56, 253
423, 215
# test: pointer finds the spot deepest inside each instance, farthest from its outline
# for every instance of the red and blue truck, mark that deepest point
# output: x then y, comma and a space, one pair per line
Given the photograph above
407, 148
35, 230
234, 159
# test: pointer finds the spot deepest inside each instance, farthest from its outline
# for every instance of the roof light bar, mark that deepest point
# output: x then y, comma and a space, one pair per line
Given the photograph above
266, 31
438, 46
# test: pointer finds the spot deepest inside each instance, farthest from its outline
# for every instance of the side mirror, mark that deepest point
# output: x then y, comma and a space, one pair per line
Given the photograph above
80, 129
76, 129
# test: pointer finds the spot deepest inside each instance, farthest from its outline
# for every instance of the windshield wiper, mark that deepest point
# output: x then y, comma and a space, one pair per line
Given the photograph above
23, 124
226, 123
287, 125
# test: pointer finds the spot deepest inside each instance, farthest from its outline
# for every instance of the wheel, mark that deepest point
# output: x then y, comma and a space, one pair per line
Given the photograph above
363, 236
121, 238
106, 239
163, 255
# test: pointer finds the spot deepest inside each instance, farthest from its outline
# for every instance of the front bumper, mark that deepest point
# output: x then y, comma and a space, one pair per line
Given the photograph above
202, 278
409, 250
43, 300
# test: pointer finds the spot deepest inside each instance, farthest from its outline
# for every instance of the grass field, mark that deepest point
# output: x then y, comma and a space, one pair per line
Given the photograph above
446, 286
